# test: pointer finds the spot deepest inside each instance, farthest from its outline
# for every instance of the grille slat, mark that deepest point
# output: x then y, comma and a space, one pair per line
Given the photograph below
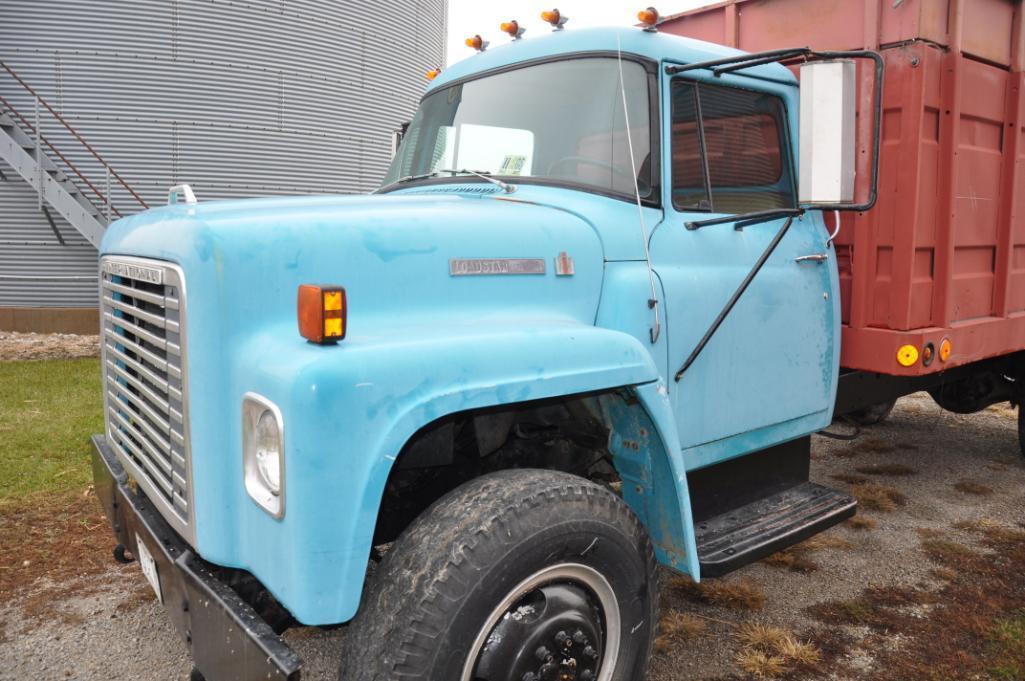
146, 401
153, 425
148, 317
137, 331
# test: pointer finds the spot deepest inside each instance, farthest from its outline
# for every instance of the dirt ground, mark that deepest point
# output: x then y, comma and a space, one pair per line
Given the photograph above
14, 346
926, 583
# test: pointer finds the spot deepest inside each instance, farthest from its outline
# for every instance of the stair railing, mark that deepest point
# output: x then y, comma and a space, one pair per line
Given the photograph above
109, 171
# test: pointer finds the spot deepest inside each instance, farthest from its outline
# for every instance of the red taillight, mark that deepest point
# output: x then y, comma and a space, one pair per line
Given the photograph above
322, 312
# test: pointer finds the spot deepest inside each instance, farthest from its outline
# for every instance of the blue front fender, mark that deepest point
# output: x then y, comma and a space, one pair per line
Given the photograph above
349, 409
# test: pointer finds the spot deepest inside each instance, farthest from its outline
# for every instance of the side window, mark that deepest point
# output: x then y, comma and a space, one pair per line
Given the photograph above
729, 147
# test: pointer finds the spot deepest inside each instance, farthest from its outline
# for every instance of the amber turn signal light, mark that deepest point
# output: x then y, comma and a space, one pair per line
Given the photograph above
322, 312
649, 17
477, 43
433, 73
513, 28
555, 18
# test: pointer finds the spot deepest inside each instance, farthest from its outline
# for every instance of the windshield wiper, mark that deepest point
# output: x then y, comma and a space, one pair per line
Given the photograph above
506, 187
747, 219
482, 174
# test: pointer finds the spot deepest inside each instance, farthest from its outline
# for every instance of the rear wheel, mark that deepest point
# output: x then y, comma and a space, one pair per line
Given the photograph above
521, 575
1021, 426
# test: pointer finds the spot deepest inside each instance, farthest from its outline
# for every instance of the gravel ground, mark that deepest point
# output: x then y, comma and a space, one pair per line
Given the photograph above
16, 346
110, 627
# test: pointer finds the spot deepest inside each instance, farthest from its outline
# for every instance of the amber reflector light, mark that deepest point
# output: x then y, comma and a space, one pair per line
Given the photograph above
648, 17
552, 17
322, 313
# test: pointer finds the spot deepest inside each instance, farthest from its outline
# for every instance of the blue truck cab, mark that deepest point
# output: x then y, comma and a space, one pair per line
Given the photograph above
584, 327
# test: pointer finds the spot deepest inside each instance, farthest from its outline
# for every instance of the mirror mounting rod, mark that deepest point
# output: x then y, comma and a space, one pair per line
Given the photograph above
735, 297
745, 61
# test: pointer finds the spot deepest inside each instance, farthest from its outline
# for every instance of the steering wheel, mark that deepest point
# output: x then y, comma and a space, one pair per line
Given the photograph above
641, 185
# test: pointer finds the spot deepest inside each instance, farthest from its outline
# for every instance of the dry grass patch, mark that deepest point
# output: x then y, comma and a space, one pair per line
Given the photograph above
769, 651
734, 595
60, 537
862, 522
876, 497
798, 558
761, 665
973, 488
887, 469
873, 445
1005, 409
680, 625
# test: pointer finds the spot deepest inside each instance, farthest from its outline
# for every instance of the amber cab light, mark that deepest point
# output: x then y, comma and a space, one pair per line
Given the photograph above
477, 43
555, 18
322, 312
433, 73
513, 28
649, 17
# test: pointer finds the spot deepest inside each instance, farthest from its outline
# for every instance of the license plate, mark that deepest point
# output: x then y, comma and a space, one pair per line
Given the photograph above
149, 568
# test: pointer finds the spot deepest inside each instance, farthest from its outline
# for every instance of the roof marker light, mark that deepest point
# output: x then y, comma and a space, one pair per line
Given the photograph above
649, 17
513, 28
477, 43
556, 18
433, 73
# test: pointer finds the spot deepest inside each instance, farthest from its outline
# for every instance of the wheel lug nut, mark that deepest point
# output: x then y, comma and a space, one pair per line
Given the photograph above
578, 636
589, 651
541, 653
561, 637
586, 675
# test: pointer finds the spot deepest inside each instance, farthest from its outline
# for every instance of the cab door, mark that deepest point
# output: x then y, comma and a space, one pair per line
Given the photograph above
769, 373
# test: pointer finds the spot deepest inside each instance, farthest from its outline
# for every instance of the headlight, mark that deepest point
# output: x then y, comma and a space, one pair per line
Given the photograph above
263, 453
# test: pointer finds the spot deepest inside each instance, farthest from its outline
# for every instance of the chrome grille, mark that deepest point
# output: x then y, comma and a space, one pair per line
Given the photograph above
143, 315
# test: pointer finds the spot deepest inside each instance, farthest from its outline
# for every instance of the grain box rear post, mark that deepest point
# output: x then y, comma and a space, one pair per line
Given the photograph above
942, 254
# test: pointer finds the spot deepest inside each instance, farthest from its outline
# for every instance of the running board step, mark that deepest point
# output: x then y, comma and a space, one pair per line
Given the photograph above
751, 532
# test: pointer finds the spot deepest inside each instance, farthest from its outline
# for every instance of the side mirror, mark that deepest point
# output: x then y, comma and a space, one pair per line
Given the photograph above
827, 140
396, 137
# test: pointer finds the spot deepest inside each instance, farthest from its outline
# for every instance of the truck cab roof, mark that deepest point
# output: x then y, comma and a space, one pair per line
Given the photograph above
655, 46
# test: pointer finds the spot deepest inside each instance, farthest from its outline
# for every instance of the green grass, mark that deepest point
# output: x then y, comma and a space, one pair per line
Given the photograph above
48, 410
1008, 639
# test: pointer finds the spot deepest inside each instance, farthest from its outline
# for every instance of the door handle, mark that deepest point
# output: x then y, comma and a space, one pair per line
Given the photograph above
817, 257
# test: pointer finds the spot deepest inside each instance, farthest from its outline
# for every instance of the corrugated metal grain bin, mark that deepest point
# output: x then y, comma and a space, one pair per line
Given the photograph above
942, 254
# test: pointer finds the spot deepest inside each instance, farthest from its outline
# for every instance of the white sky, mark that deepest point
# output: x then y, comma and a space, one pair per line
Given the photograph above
469, 17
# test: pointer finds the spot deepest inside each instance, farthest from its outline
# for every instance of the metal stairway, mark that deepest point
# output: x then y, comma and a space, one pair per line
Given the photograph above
21, 147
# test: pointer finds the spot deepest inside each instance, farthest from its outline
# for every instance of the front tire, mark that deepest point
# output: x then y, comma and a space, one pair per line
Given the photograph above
520, 574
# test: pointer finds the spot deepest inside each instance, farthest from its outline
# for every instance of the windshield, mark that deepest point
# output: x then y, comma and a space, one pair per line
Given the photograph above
558, 122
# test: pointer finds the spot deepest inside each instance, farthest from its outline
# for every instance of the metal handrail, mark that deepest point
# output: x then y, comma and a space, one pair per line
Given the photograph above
99, 195
77, 136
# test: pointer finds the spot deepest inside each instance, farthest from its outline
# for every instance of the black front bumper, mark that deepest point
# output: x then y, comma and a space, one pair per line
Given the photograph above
229, 641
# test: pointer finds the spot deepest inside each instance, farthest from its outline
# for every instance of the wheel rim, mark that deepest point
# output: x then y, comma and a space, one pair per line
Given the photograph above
560, 624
